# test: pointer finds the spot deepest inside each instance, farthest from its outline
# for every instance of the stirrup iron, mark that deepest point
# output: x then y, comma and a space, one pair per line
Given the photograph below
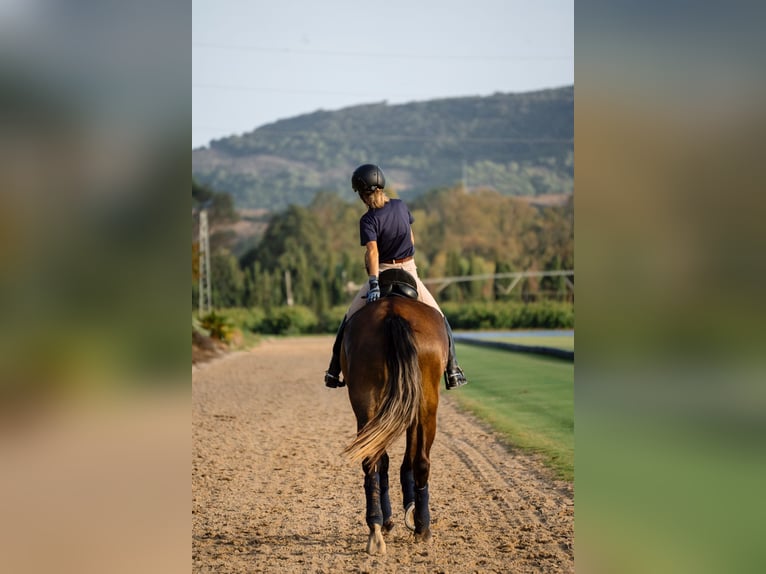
333, 381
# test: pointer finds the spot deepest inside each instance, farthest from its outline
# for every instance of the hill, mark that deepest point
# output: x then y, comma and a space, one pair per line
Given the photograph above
517, 144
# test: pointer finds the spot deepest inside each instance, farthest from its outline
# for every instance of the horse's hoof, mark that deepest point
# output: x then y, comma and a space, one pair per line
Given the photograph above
409, 516
388, 525
375, 543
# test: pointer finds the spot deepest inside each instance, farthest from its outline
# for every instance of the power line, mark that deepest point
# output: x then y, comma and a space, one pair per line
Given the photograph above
313, 52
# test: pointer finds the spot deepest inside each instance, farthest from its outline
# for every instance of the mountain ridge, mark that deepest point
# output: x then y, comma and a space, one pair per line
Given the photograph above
516, 143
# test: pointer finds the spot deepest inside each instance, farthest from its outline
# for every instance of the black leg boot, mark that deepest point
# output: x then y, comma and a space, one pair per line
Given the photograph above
332, 376
453, 375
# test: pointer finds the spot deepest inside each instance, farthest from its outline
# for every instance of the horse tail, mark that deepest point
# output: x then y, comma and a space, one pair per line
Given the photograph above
401, 396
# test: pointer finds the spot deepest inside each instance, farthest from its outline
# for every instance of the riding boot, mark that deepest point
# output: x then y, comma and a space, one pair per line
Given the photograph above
453, 375
332, 376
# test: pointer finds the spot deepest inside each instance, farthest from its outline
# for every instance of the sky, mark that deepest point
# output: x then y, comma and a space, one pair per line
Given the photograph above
255, 62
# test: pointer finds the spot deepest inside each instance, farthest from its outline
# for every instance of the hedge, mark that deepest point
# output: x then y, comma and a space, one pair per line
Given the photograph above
298, 319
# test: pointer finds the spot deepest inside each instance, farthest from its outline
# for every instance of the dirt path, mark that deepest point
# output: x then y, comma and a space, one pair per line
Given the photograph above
272, 493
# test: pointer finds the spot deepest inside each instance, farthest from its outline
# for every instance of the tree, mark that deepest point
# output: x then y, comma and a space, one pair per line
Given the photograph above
457, 266
502, 285
478, 290
227, 280
556, 285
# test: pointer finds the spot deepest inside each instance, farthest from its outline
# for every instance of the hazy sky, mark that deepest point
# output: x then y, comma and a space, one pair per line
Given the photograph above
255, 62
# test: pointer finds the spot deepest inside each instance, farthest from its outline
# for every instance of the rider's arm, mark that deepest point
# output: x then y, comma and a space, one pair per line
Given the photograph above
371, 258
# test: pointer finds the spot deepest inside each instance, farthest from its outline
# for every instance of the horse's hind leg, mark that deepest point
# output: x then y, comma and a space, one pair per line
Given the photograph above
422, 514
374, 516
385, 499
421, 472
407, 480
414, 475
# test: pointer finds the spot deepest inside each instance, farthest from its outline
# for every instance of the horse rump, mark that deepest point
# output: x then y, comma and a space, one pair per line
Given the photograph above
402, 390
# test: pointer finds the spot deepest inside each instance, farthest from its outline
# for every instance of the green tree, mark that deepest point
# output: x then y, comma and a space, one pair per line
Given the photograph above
227, 280
502, 285
478, 290
554, 286
457, 266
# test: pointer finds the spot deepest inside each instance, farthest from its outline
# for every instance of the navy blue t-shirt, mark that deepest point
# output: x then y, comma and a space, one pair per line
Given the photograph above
390, 227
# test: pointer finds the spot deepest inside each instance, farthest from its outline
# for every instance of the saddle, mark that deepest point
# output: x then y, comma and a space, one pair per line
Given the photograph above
398, 282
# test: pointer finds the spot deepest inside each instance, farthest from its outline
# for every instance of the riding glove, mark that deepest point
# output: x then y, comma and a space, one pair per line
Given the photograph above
374, 293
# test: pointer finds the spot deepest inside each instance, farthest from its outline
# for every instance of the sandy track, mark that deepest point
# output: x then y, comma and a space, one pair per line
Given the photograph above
272, 493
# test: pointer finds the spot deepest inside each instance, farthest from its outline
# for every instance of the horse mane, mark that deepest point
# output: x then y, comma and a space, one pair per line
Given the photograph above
402, 393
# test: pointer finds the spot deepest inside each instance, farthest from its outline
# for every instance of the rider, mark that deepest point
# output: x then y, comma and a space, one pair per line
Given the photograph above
385, 230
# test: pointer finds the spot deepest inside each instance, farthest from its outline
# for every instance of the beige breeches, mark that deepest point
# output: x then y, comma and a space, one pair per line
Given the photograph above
424, 294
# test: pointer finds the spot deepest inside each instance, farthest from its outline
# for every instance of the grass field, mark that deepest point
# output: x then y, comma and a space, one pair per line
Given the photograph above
528, 399
565, 343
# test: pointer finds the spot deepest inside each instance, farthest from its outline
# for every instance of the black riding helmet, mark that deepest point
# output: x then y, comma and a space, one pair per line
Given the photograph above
368, 178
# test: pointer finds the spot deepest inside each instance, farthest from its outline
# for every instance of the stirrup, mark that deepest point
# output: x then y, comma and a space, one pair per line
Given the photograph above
454, 379
333, 381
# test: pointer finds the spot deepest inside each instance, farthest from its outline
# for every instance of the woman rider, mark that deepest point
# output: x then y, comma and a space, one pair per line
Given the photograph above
385, 230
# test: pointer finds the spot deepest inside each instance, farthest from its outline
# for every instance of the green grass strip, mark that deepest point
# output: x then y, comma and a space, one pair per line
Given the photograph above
528, 399
566, 343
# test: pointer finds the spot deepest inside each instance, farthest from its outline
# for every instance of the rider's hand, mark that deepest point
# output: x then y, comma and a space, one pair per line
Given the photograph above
374, 293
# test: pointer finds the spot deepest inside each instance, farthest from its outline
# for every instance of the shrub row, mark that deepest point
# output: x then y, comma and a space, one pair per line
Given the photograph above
294, 320
298, 319
510, 315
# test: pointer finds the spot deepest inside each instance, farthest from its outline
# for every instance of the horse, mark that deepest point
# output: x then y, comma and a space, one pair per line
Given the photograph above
393, 355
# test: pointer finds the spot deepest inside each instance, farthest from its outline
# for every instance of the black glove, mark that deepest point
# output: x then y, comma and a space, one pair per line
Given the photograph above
374, 293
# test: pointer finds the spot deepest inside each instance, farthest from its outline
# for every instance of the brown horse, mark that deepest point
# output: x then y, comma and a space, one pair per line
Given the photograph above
394, 354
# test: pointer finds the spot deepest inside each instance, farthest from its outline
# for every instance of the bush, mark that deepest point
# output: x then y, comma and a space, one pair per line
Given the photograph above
298, 319
248, 319
510, 315
219, 326
198, 328
329, 321
290, 321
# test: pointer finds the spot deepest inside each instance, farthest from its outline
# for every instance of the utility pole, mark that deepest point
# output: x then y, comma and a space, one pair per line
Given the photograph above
205, 299
289, 288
